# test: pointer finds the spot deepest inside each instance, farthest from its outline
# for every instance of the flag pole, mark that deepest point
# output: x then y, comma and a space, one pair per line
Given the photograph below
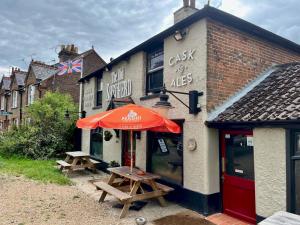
80, 88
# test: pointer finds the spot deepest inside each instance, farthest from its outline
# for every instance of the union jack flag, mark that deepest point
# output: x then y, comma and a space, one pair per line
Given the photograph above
70, 67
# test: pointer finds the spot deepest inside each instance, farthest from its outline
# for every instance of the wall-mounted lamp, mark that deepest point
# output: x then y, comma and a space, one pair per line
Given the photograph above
179, 35
67, 114
163, 105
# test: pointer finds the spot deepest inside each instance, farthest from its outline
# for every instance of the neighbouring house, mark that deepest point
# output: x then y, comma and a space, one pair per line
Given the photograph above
26, 87
244, 169
4, 102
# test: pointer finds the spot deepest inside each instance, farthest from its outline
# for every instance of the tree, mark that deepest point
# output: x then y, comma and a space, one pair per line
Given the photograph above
49, 134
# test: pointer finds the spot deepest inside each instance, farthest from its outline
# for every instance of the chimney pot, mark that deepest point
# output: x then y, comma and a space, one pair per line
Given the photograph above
185, 3
193, 3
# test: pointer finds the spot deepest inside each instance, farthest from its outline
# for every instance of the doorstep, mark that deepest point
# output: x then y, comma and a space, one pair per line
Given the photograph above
223, 219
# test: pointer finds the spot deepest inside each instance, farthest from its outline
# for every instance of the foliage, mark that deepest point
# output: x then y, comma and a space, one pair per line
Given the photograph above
48, 135
40, 170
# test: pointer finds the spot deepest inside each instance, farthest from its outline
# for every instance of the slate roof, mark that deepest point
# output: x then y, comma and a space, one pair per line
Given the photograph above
6, 83
20, 77
43, 71
276, 98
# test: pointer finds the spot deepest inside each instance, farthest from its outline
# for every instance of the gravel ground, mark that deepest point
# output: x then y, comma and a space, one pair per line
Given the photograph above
25, 202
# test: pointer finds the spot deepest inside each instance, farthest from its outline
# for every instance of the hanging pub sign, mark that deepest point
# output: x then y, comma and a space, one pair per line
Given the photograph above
119, 87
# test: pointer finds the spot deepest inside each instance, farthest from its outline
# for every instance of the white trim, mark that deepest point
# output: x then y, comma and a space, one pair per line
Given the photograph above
237, 96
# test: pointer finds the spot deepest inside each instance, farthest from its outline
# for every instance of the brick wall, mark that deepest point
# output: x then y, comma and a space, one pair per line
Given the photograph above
235, 58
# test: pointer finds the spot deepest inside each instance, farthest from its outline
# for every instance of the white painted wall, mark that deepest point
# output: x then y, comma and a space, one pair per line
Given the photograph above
270, 170
201, 167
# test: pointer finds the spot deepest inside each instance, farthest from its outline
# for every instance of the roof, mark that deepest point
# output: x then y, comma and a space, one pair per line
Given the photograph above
43, 71
20, 77
275, 98
217, 15
6, 83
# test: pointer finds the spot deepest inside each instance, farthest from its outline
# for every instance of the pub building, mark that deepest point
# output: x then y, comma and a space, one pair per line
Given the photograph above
232, 87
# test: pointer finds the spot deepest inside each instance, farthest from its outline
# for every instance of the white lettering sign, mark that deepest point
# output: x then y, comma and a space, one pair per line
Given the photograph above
185, 77
184, 56
88, 98
119, 87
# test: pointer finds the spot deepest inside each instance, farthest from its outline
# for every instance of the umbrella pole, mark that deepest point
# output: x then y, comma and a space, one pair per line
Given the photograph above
131, 151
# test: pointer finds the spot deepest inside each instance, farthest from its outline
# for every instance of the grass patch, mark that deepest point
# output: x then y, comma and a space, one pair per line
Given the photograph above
39, 170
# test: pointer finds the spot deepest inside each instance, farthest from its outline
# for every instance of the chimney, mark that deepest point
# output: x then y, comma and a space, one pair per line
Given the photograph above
67, 52
189, 8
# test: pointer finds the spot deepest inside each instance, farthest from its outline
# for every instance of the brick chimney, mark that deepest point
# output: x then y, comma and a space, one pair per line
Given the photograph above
67, 52
189, 8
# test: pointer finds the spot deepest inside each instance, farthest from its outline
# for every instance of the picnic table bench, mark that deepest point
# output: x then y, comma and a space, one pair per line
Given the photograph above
76, 160
127, 187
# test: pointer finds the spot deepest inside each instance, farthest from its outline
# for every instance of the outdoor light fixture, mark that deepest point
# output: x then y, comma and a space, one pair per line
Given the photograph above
67, 114
179, 35
163, 105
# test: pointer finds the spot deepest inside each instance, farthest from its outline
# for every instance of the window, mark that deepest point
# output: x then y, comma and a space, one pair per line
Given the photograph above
155, 71
96, 147
165, 156
30, 94
15, 99
294, 174
99, 89
2, 102
15, 122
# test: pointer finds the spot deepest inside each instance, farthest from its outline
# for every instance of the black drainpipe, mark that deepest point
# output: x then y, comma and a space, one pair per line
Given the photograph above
21, 103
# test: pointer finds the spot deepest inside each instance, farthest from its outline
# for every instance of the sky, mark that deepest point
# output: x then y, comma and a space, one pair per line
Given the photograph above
35, 29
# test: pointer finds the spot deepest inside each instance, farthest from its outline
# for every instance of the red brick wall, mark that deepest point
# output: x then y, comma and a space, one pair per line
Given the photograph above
235, 58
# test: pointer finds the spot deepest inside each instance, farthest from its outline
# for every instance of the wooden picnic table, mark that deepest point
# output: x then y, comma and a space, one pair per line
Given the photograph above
76, 160
127, 187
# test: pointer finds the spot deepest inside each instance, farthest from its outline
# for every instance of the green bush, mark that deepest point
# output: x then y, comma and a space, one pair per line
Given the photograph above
48, 135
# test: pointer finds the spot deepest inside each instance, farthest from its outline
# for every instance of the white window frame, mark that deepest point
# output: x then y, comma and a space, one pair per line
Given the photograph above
30, 94
2, 102
15, 99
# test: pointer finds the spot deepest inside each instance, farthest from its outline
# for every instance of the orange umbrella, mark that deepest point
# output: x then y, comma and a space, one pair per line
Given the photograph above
130, 117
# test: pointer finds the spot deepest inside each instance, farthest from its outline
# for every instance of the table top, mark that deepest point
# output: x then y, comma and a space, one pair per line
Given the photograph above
77, 154
124, 171
280, 218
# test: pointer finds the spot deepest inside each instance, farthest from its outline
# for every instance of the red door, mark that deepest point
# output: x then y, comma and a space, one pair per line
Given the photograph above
238, 175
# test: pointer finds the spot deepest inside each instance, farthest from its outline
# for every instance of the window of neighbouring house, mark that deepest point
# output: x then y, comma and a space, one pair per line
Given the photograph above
154, 80
2, 102
165, 156
30, 94
96, 144
14, 99
99, 89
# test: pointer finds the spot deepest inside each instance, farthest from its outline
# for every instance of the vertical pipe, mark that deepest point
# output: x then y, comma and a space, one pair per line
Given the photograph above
131, 151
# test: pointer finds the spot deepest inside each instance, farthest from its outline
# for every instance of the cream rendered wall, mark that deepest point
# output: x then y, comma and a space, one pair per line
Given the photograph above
201, 167
270, 170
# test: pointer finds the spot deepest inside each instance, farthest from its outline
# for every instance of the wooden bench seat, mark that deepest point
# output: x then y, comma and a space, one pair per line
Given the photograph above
112, 191
161, 187
63, 163
94, 161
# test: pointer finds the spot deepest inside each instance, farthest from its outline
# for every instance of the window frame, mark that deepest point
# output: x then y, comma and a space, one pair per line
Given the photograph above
14, 99
2, 107
291, 157
98, 101
150, 72
30, 94
93, 132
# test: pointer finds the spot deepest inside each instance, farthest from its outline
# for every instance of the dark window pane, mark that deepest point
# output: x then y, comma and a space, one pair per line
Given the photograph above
239, 156
297, 144
99, 91
167, 156
99, 98
96, 148
297, 187
155, 81
155, 59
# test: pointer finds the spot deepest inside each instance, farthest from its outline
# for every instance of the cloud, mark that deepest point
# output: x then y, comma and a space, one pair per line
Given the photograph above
35, 29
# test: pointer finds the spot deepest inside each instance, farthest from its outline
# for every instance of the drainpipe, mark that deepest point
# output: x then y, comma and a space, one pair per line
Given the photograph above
21, 103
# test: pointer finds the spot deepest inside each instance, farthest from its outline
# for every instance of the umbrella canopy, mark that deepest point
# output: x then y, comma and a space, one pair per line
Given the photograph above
130, 117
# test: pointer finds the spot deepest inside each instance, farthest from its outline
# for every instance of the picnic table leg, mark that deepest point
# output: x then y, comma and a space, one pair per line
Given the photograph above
67, 159
160, 199
110, 181
128, 202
